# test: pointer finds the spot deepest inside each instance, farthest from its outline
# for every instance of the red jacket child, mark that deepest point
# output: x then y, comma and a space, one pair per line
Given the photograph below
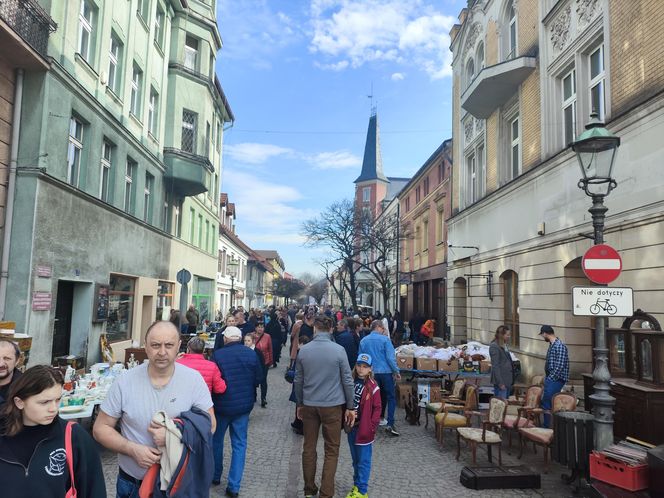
370, 407
208, 369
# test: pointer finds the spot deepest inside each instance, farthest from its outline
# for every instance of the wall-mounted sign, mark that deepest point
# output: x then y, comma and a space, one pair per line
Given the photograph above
44, 271
602, 301
100, 307
41, 301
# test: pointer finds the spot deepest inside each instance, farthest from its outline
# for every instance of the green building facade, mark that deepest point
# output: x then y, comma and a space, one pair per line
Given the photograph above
118, 174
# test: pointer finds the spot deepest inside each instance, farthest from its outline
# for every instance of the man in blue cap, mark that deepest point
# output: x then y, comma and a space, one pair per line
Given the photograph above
556, 369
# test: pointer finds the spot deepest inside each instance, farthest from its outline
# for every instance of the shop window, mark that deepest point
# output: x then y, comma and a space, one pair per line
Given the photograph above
120, 308
164, 298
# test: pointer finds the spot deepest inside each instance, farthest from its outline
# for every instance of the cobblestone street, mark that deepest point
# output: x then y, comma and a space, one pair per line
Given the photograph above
407, 466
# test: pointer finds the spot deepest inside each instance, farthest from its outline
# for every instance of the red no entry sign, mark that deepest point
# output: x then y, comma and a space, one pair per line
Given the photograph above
601, 264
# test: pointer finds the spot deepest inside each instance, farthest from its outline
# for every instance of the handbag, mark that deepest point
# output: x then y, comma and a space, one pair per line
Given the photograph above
290, 373
71, 492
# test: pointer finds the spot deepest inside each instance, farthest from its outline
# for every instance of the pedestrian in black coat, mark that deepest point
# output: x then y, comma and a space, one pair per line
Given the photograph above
273, 329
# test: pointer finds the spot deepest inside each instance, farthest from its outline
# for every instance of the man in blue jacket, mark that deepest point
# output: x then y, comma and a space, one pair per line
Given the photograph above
345, 339
242, 373
379, 346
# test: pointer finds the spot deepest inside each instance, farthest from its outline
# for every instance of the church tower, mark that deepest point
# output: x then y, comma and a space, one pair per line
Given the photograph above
371, 185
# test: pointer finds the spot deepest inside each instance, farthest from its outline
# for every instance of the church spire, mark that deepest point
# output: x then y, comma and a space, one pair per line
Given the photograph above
372, 164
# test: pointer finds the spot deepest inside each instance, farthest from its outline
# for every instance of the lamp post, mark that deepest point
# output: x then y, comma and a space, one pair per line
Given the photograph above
596, 151
232, 268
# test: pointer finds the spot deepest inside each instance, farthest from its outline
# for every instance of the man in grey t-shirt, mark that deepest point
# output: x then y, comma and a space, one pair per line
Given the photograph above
137, 395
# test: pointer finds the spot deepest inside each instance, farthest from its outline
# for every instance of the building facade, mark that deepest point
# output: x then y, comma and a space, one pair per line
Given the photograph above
424, 206
526, 76
278, 267
119, 160
233, 257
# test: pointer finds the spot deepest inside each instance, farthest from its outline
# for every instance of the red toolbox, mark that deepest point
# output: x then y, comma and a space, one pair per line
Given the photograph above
631, 478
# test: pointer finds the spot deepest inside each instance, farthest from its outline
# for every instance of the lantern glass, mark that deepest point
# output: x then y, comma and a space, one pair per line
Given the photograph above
232, 268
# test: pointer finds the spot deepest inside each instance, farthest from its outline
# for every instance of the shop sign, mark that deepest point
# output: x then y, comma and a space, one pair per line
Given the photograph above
602, 301
44, 271
41, 301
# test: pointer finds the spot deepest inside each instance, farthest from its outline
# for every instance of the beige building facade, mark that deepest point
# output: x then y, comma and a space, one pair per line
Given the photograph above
527, 75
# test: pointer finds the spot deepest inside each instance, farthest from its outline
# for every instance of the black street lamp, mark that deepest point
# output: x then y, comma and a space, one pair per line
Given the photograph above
232, 272
596, 151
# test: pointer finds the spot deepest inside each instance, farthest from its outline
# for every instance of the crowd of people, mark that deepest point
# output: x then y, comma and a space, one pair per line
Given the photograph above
160, 416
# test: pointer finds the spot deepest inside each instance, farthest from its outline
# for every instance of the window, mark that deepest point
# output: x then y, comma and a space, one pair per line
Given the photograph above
425, 235
479, 57
85, 30
177, 221
441, 172
569, 107
192, 225
218, 136
130, 171
211, 66
470, 72
515, 148
471, 175
114, 67
105, 175
418, 194
512, 34
597, 81
199, 239
159, 26
136, 91
511, 304
191, 53
142, 8
147, 198
165, 295
74, 153
426, 186
407, 204
188, 131
153, 112
166, 217
366, 194
440, 225
207, 235
120, 308
208, 131
475, 174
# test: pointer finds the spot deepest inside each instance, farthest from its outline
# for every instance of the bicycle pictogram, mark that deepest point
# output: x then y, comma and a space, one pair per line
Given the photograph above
603, 305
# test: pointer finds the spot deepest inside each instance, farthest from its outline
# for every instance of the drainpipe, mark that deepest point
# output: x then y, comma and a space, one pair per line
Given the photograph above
11, 187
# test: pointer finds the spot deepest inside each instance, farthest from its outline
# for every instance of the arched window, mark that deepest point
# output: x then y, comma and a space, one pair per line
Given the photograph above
470, 72
479, 57
511, 33
511, 303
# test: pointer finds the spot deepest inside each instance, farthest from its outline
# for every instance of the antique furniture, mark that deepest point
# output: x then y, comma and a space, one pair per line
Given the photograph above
532, 399
520, 389
543, 436
455, 416
476, 436
453, 397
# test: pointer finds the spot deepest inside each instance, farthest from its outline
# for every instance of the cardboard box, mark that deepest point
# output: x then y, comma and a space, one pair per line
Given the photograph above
448, 366
404, 391
485, 366
405, 362
426, 364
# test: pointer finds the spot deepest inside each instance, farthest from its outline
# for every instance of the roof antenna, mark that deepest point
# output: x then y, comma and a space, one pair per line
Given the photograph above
371, 98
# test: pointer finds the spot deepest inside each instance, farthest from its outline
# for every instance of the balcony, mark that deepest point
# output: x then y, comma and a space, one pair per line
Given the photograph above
24, 30
186, 173
495, 85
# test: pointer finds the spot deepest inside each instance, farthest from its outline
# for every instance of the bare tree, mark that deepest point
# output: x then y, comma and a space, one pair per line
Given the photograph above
380, 237
336, 277
318, 290
336, 228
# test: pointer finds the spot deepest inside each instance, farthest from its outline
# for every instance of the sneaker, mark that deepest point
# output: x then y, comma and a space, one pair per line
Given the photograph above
382, 422
263, 404
215, 482
231, 494
390, 429
353, 492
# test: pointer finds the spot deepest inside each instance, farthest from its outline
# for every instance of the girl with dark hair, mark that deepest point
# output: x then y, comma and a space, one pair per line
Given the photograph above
34, 460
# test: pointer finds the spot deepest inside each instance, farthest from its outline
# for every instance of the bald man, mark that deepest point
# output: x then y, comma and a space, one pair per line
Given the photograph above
137, 395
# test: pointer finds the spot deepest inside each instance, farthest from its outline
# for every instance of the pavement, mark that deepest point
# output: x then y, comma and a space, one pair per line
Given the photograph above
411, 465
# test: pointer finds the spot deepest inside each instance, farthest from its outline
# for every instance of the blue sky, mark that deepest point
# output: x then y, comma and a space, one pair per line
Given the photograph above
297, 74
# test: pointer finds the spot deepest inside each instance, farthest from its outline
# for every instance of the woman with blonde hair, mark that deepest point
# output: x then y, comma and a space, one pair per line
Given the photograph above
502, 375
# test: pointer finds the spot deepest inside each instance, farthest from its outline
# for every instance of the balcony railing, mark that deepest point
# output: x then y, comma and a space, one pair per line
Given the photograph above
30, 21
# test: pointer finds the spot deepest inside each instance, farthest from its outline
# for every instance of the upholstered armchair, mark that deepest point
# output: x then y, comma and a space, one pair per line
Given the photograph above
543, 436
477, 436
520, 389
531, 400
454, 397
455, 416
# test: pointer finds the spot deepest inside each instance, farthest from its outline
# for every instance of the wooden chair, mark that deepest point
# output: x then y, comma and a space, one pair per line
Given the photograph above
454, 397
543, 436
476, 436
531, 400
455, 416
520, 389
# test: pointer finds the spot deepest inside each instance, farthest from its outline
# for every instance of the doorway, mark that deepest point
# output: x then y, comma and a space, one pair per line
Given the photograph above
63, 314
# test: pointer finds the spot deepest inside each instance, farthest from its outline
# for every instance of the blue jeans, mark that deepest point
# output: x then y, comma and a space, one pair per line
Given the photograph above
551, 387
386, 384
238, 426
125, 488
361, 455
501, 393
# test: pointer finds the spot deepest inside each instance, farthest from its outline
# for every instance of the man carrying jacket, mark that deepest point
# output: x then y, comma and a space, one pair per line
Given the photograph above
323, 389
242, 373
385, 369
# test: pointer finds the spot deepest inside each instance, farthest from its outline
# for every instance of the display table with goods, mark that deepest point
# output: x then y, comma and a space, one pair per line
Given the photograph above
83, 394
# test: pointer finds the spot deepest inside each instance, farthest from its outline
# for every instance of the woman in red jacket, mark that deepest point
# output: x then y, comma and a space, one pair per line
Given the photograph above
194, 358
264, 345
361, 435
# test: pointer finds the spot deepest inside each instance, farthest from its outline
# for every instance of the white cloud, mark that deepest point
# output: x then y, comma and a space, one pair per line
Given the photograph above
399, 31
255, 153
398, 76
337, 66
340, 159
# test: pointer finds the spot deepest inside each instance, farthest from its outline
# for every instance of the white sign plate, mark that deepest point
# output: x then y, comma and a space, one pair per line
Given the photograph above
602, 301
